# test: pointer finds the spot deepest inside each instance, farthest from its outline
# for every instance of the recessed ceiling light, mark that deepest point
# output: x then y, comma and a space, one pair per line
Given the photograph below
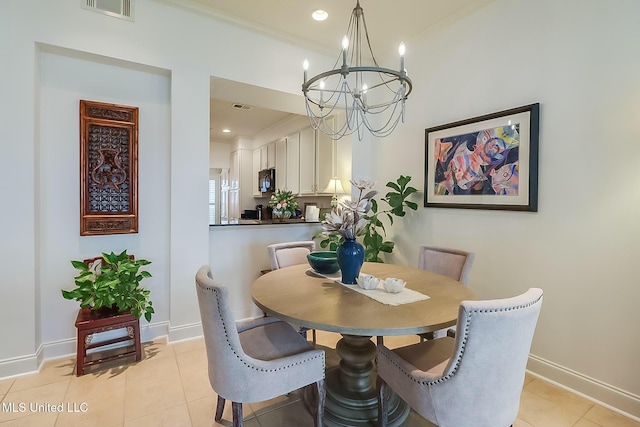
226, 130
319, 15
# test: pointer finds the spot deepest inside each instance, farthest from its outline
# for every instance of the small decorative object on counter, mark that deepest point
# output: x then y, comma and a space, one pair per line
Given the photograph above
323, 262
349, 219
368, 282
393, 285
350, 259
284, 204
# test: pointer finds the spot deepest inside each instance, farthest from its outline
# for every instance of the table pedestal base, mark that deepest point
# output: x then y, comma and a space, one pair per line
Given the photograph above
351, 392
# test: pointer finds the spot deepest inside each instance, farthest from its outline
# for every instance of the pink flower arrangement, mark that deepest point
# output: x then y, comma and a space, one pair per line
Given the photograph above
283, 201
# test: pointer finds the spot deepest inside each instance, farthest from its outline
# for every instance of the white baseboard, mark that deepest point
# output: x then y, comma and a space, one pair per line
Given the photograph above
153, 331
618, 400
194, 330
184, 332
31, 363
21, 365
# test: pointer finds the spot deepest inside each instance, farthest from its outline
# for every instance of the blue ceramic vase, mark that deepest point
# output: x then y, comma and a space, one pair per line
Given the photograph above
350, 258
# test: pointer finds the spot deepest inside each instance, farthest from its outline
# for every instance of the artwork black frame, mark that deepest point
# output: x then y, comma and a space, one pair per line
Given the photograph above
486, 162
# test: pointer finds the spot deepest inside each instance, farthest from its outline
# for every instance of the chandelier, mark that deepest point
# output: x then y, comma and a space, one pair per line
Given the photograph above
369, 96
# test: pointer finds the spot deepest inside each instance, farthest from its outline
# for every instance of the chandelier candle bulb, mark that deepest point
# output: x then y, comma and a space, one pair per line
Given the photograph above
305, 67
345, 47
364, 97
346, 95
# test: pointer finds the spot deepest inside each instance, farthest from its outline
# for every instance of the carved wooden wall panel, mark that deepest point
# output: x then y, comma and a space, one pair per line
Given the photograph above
108, 169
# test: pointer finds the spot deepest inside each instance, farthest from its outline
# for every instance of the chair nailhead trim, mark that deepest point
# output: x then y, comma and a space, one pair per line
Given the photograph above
255, 368
462, 345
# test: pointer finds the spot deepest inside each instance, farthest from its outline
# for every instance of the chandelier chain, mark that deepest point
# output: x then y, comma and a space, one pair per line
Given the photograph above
357, 89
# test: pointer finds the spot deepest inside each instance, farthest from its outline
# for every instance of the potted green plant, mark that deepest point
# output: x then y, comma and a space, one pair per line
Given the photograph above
112, 284
371, 229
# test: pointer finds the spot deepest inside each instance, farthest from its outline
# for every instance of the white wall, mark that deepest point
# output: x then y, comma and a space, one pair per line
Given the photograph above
244, 247
577, 58
87, 55
220, 155
282, 129
64, 80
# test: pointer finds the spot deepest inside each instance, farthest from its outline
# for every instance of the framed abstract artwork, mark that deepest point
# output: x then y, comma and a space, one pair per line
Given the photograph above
487, 162
108, 169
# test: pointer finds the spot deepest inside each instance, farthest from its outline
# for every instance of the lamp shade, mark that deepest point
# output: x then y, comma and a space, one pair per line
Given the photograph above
334, 186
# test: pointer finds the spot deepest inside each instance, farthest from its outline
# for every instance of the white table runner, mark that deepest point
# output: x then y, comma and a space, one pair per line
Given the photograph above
379, 294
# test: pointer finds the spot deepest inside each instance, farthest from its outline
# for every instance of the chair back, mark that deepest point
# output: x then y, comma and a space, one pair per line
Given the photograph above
482, 383
453, 263
289, 253
227, 369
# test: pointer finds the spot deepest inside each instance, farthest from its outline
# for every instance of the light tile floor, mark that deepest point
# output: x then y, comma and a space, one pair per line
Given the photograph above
170, 387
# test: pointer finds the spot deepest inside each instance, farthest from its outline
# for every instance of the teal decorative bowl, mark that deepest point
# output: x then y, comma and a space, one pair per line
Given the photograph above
323, 262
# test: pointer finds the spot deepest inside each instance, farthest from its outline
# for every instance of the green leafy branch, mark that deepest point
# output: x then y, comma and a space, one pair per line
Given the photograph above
374, 242
372, 239
116, 283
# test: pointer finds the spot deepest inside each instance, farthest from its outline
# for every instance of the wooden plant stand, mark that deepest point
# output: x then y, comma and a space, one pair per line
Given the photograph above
91, 322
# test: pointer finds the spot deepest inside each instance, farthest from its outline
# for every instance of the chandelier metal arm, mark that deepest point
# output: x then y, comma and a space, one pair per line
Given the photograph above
350, 91
402, 76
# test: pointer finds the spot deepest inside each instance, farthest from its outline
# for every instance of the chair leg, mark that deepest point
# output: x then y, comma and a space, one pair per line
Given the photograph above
237, 414
303, 332
383, 405
313, 335
321, 391
380, 340
219, 409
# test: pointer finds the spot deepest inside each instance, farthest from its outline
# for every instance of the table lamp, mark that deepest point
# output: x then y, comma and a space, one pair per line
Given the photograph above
334, 186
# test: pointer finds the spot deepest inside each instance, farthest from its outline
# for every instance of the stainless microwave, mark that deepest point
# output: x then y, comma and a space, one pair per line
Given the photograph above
267, 181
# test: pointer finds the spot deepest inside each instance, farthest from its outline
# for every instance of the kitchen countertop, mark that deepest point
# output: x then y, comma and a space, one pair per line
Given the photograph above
266, 222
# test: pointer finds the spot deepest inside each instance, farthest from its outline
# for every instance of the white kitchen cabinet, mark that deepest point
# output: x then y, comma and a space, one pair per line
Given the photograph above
241, 183
271, 155
281, 163
317, 161
326, 153
307, 161
267, 156
293, 163
234, 187
256, 167
304, 161
263, 157
310, 162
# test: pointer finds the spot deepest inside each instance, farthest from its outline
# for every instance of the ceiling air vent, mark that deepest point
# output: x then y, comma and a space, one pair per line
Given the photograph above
117, 8
241, 106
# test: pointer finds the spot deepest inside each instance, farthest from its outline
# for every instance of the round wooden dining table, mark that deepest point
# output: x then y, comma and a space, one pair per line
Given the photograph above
297, 295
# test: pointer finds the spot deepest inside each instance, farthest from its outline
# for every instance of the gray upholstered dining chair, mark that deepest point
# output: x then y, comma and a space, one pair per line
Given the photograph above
255, 360
292, 253
453, 263
473, 380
